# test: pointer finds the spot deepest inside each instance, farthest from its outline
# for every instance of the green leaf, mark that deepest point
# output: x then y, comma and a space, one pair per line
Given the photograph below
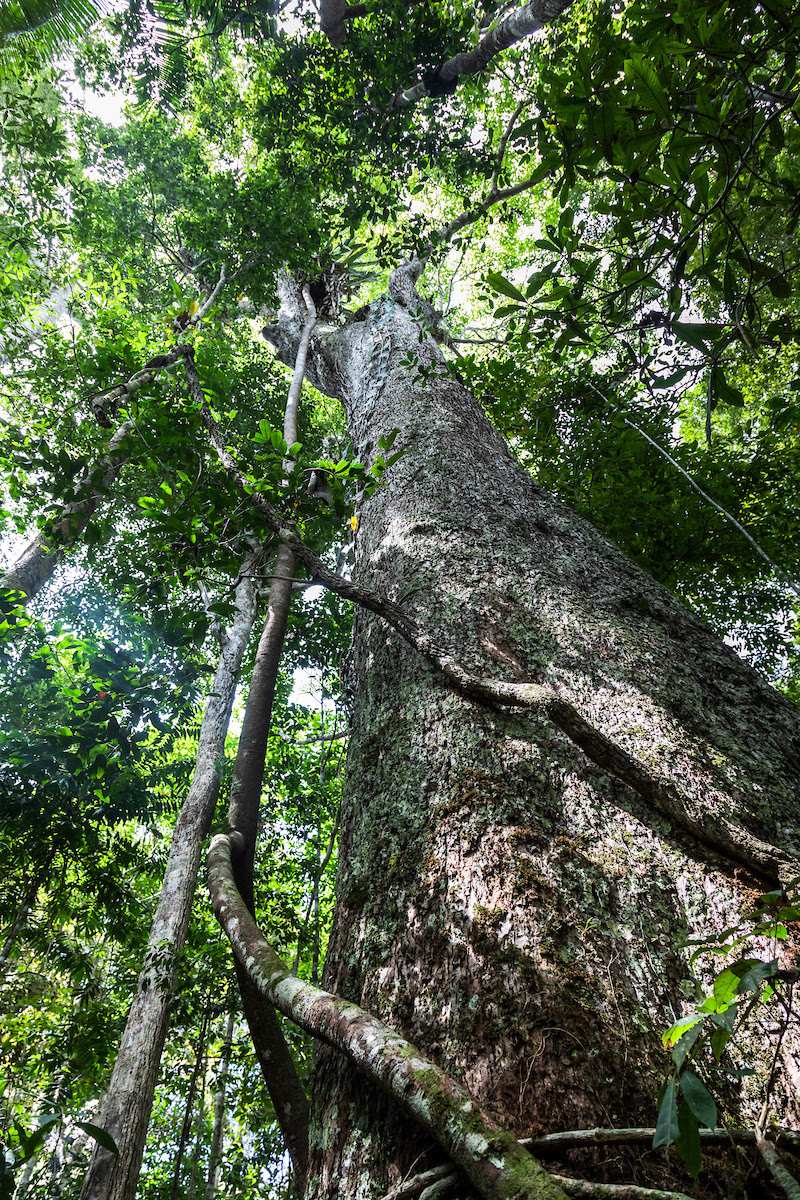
685, 1043
696, 334
680, 1029
699, 1099
100, 1136
723, 391
687, 1144
719, 1040
752, 979
780, 286
640, 70
499, 283
667, 1130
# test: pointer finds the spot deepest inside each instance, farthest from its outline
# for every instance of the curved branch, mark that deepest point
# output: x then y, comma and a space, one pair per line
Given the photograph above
32, 569
494, 1162
518, 25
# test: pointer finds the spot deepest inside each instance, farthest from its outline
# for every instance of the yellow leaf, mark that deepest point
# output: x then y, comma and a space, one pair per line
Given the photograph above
354, 522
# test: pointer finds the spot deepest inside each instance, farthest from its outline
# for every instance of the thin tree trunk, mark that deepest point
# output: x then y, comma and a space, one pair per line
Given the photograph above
187, 1116
215, 1154
37, 562
198, 1136
277, 1066
125, 1111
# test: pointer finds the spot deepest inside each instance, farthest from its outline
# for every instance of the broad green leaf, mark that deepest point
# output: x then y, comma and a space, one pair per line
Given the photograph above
685, 1043
667, 1130
641, 71
753, 978
102, 1138
499, 283
687, 1144
680, 1028
698, 335
698, 1097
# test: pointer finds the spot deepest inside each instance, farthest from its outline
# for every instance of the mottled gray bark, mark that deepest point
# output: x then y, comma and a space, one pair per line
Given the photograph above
125, 1111
505, 901
37, 562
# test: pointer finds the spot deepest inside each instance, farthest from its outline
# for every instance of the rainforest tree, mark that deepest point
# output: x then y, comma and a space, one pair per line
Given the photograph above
574, 270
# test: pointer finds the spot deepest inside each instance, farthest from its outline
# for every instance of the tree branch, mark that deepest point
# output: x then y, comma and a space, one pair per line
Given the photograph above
517, 25
493, 1161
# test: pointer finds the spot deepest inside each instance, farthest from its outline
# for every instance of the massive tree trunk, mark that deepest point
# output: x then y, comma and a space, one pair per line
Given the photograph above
504, 902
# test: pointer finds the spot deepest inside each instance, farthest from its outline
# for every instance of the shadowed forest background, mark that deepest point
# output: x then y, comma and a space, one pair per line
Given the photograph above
504, 255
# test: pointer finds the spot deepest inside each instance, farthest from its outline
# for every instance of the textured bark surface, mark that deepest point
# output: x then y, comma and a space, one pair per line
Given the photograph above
125, 1111
502, 902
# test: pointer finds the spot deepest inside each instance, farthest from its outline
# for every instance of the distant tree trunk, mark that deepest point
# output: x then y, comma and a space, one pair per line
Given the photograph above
195, 1177
125, 1111
199, 1067
37, 562
503, 901
218, 1131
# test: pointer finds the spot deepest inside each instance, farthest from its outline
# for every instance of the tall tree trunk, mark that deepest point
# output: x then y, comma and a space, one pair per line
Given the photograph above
37, 562
218, 1131
273, 1054
125, 1111
503, 901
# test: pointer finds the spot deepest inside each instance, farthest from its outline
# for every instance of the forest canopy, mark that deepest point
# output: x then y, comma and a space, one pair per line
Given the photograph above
602, 204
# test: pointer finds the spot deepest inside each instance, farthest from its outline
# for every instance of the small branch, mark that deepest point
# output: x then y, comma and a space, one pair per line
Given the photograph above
493, 1161
501, 150
556, 1143
494, 196
580, 1188
790, 583
108, 401
210, 299
738, 846
793, 587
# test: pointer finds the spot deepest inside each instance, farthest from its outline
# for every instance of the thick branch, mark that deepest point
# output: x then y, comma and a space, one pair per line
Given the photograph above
494, 1162
518, 25
108, 401
765, 861
774, 1163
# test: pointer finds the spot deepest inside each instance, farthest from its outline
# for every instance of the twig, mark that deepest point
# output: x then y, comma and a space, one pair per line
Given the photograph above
793, 587
555, 1143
